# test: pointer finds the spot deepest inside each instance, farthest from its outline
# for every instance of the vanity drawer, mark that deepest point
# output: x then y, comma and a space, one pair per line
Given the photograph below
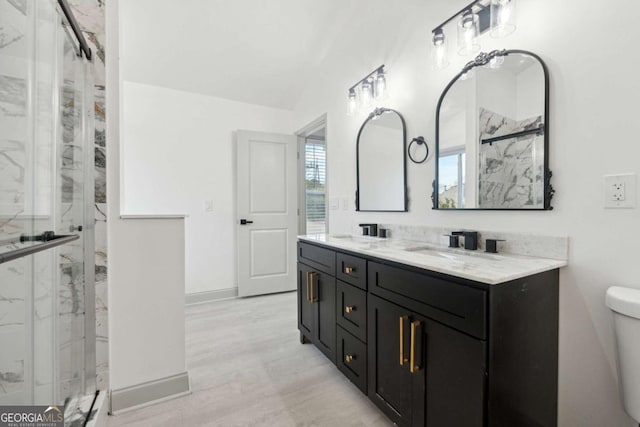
352, 269
352, 358
456, 305
351, 305
319, 258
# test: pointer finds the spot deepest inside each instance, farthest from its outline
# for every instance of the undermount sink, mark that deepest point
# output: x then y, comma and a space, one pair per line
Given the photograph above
353, 238
450, 253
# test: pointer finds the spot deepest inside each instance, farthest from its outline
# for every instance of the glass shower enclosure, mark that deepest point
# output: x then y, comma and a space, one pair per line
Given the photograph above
47, 301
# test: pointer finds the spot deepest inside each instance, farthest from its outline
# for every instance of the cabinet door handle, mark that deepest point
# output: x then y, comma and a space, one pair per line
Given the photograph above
308, 287
348, 358
312, 277
349, 308
403, 319
416, 343
349, 270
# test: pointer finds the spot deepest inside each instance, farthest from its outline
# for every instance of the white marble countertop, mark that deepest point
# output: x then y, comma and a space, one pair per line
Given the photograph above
478, 266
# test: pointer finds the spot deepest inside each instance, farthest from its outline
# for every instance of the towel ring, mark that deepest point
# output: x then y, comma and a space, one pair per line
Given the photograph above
420, 141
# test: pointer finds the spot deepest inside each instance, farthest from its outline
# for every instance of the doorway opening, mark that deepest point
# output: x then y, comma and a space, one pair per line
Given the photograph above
312, 165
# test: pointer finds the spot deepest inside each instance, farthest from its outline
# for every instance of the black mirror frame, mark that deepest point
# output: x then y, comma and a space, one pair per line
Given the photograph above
483, 59
375, 113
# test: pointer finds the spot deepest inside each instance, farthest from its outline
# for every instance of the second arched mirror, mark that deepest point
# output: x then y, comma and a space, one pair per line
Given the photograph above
381, 163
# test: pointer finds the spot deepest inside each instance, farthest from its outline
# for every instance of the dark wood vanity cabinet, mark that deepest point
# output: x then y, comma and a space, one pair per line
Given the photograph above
435, 350
317, 309
421, 370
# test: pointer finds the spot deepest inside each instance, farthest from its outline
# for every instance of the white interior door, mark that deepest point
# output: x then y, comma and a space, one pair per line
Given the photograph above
267, 212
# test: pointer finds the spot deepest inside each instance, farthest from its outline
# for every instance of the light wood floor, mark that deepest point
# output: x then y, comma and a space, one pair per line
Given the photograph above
248, 368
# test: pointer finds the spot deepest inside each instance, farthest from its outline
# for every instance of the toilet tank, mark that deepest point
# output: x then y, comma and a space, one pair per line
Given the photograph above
625, 304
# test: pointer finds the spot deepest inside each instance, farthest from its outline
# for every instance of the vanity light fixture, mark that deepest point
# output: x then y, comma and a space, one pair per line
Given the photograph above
468, 30
366, 93
478, 17
439, 49
380, 86
352, 102
502, 18
372, 87
496, 62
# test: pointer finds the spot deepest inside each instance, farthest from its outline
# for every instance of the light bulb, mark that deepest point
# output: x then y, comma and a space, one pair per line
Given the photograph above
468, 75
380, 86
496, 61
502, 18
366, 94
439, 51
352, 102
467, 33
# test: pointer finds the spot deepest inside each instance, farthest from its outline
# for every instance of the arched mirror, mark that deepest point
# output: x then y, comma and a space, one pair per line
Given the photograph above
381, 163
492, 138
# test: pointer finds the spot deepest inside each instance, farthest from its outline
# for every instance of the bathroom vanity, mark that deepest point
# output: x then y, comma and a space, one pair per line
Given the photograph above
435, 336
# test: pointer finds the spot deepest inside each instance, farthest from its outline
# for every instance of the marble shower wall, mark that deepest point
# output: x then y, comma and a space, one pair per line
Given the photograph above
90, 15
16, 207
510, 172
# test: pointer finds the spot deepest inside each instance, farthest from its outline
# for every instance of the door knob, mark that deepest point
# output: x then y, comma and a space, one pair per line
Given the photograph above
245, 222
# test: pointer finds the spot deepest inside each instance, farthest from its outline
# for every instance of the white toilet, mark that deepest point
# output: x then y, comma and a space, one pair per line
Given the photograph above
625, 304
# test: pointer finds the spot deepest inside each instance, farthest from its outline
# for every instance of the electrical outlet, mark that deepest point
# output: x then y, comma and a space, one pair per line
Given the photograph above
208, 205
620, 191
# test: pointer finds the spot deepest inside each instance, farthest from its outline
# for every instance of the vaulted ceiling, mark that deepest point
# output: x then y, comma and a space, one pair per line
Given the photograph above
256, 51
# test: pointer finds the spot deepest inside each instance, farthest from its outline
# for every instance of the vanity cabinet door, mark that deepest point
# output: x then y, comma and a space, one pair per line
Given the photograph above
455, 371
392, 387
305, 305
323, 295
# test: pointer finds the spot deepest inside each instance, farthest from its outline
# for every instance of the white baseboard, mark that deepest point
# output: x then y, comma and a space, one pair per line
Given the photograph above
209, 296
145, 394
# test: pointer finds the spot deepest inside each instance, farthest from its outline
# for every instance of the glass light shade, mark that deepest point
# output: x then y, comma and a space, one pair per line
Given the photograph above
380, 86
503, 18
439, 50
366, 94
496, 61
468, 75
352, 102
468, 34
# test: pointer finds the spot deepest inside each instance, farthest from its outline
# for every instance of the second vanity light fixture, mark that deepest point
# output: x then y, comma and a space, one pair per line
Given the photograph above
473, 20
362, 94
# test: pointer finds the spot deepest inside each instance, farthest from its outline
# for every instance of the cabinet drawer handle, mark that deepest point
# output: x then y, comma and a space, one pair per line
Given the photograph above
403, 360
413, 366
348, 358
349, 270
349, 308
312, 277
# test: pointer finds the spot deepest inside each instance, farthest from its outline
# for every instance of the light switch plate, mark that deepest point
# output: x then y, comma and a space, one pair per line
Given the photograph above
345, 204
334, 204
208, 205
620, 191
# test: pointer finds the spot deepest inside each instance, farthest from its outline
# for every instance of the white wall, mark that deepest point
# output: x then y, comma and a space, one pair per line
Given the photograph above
146, 265
178, 151
593, 131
